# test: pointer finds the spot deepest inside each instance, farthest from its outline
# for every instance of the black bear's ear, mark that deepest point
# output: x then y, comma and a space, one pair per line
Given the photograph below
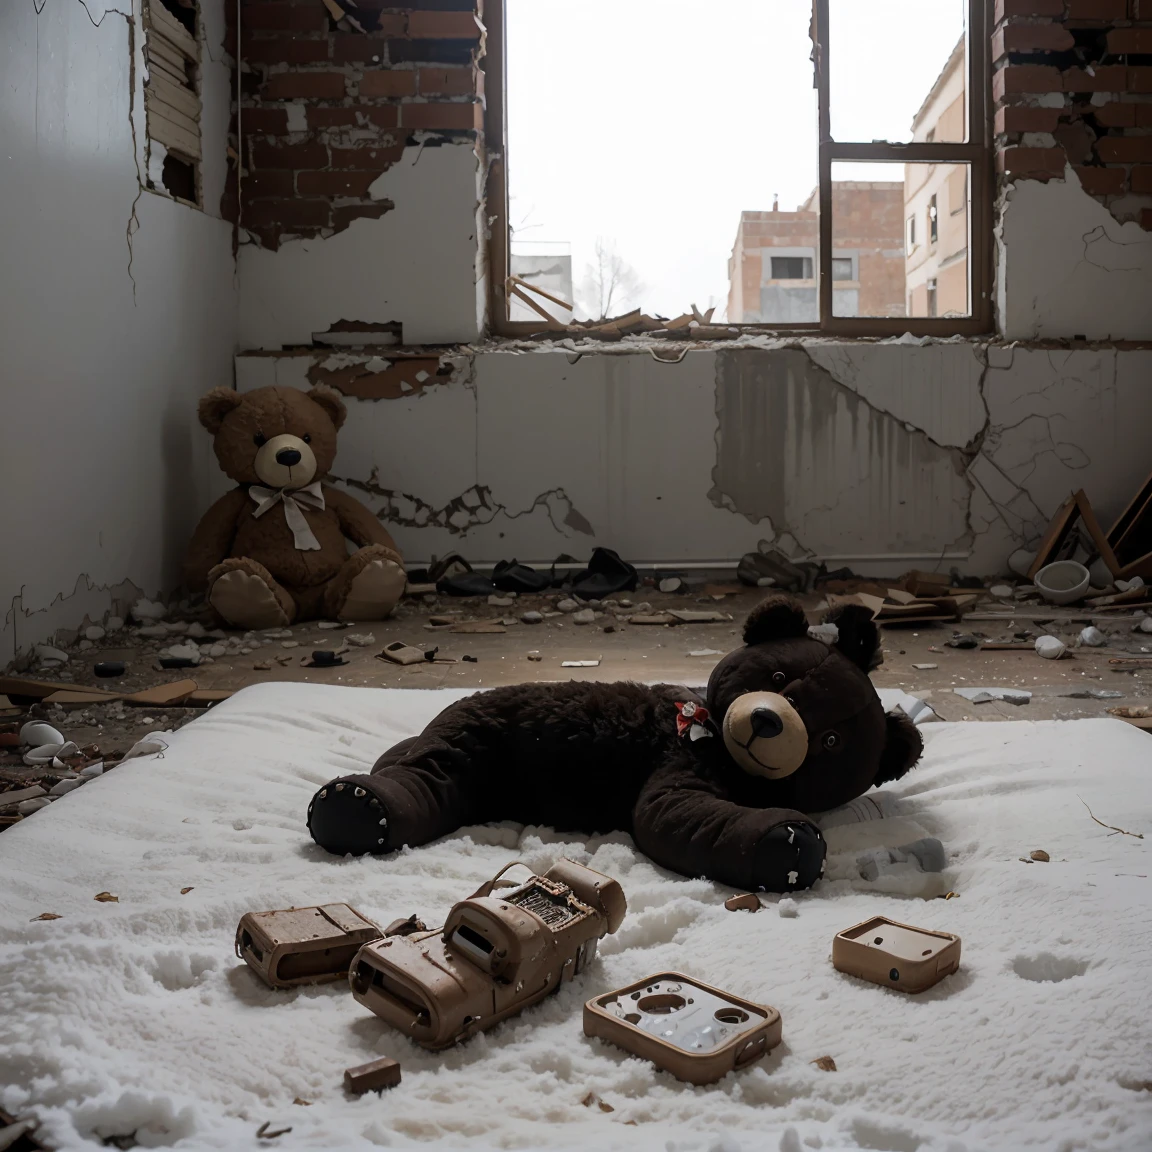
903, 746
777, 618
859, 637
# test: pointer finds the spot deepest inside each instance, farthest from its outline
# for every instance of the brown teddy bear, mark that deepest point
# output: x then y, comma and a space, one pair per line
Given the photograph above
723, 786
274, 549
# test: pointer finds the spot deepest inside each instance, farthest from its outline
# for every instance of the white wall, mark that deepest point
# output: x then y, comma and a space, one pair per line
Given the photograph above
880, 456
418, 264
118, 312
1067, 267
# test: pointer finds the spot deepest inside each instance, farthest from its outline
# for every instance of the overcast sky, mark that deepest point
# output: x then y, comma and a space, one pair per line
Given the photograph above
654, 123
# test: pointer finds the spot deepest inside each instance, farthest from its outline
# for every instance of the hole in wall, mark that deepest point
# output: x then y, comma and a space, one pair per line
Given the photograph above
179, 178
182, 10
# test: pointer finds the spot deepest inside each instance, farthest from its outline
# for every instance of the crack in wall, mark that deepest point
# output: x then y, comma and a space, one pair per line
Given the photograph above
781, 414
473, 508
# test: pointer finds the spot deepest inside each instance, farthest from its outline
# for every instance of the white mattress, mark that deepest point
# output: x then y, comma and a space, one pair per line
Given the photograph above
136, 1016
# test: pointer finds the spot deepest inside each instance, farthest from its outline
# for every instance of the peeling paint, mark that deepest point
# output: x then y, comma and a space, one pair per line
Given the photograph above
1067, 268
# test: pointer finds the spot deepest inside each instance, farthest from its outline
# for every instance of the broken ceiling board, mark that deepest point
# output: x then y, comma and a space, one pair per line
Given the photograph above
164, 24
17, 687
163, 694
208, 696
171, 98
164, 128
1075, 508
1131, 535
78, 698
404, 376
162, 90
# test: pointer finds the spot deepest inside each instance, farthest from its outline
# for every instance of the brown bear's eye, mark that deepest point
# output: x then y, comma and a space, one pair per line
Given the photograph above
778, 678
307, 438
259, 439
830, 740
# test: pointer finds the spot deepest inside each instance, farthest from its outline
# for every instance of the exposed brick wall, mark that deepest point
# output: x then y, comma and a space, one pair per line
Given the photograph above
1072, 84
327, 108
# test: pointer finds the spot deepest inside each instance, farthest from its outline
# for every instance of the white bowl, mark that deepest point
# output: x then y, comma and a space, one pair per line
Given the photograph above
1063, 582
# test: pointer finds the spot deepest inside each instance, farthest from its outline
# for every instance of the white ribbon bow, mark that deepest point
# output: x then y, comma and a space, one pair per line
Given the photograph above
293, 500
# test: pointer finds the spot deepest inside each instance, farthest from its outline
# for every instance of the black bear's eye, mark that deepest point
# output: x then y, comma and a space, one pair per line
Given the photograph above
830, 740
259, 439
779, 678
307, 438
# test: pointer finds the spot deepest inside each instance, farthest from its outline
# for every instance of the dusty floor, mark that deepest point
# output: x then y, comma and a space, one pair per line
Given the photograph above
683, 653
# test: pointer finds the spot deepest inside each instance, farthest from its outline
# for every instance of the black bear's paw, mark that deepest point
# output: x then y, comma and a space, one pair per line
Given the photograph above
789, 858
346, 816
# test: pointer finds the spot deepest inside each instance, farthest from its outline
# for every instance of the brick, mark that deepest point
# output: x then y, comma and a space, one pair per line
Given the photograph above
1125, 149
258, 184
333, 118
359, 49
304, 86
270, 121
431, 51
1130, 40
1097, 9
388, 83
1101, 181
1026, 78
1143, 115
265, 213
443, 26
449, 81
1115, 115
1103, 78
344, 214
1019, 118
445, 116
1141, 178
284, 18
1031, 38
365, 158
285, 50
1006, 8
1140, 79
306, 154
1043, 162
1146, 219
334, 183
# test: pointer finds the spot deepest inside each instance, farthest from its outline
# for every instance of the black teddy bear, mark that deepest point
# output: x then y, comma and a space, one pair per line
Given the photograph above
720, 788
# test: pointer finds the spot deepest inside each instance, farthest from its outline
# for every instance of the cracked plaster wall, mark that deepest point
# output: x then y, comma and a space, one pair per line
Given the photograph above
119, 311
419, 264
881, 456
1066, 267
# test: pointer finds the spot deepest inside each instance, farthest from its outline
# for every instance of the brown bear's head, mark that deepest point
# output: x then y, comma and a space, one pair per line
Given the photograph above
802, 716
279, 437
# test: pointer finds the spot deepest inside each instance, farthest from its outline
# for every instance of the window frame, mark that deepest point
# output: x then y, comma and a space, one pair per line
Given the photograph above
976, 152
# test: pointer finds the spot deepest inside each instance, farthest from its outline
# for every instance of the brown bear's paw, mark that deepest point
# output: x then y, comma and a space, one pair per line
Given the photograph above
374, 582
245, 594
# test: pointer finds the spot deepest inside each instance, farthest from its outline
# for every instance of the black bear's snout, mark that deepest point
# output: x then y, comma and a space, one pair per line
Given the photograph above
288, 457
766, 724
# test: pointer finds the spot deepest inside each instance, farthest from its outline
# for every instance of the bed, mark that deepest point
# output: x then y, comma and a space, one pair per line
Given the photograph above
133, 1020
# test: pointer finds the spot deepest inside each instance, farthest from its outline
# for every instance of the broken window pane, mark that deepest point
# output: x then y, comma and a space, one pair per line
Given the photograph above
878, 211
897, 70
647, 141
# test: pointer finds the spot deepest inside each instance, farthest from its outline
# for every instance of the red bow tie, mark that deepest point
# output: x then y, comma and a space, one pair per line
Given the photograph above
692, 718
